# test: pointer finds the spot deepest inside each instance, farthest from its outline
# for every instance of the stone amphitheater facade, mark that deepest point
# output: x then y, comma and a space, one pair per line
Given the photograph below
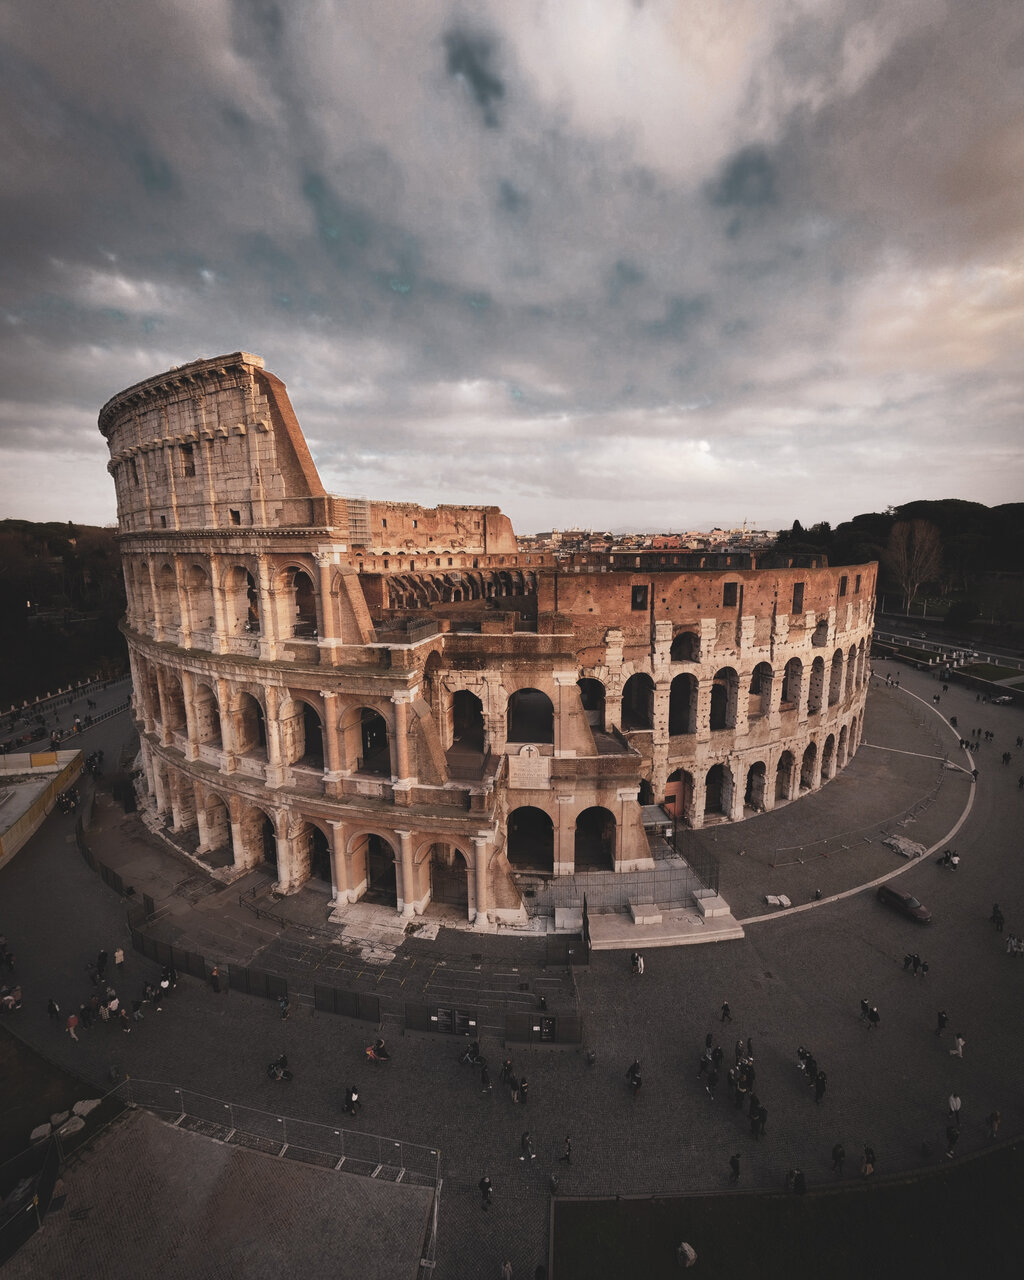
398, 704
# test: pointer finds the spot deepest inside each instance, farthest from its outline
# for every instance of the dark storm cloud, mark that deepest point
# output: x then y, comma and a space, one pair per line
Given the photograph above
468, 58
689, 244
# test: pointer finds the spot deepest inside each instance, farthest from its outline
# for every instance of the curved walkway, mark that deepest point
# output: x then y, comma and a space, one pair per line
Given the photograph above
794, 980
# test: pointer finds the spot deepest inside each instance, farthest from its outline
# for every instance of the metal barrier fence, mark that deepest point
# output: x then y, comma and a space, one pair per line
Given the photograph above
26, 1189
343, 1149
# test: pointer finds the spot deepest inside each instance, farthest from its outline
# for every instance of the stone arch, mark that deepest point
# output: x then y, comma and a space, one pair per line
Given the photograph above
592, 695
828, 758
530, 717
792, 684
297, 603
175, 716
843, 751
851, 671
645, 792
241, 602
167, 603
685, 647
808, 767
638, 702
206, 715
724, 692
374, 863
216, 824
199, 595
835, 679
682, 705
530, 839
784, 776
718, 788
311, 852
367, 737
816, 686
450, 873
756, 789
258, 837
594, 843
760, 691
251, 726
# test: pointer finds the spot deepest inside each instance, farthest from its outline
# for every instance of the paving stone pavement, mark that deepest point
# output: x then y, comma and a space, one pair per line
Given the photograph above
796, 979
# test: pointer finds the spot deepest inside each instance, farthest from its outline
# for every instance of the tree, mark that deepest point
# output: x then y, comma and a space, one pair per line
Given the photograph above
913, 556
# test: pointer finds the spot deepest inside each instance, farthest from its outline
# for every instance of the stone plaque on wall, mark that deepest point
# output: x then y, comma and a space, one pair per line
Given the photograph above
529, 770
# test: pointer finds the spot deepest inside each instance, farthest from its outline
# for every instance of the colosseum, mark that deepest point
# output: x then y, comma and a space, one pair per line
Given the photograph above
397, 705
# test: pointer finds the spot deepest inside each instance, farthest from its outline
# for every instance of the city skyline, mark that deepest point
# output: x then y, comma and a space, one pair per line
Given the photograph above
651, 267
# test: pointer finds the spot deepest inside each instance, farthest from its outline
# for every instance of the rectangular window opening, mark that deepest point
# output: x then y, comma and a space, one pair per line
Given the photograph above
842, 586
730, 595
234, 516
798, 597
639, 598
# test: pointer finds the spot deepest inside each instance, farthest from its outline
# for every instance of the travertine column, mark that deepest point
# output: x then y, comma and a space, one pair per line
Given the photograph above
406, 874
275, 770
481, 849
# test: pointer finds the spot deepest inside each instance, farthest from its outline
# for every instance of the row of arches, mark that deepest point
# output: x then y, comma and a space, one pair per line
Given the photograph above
421, 590
723, 792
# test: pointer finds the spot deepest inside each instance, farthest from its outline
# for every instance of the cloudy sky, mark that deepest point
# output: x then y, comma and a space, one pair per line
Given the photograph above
614, 263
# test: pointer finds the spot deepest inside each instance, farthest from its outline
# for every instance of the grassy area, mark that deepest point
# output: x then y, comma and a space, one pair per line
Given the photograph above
956, 1220
989, 671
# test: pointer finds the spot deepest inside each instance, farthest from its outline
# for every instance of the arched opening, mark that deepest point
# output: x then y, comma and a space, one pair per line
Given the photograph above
199, 595
828, 758
645, 792
449, 876
816, 686
754, 793
685, 647
174, 703
679, 795
638, 702
167, 597
206, 715
381, 874
594, 847
723, 699
312, 754
717, 791
835, 679
851, 671
819, 636
311, 854
530, 840
792, 684
303, 599
216, 847
682, 706
530, 717
844, 746
760, 691
374, 747
252, 727
268, 844
467, 721
242, 602
592, 695
784, 776
807, 767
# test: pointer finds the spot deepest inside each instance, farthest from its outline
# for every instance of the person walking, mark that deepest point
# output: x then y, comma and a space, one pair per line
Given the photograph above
712, 1083
567, 1153
485, 1079
486, 1192
873, 1019
726, 1015
284, 1004
101, 964
955, 1108
352, 1103
952, 1138
924, 969
762, 1119
820, 1082
526, 1147
992, 1120
71, 1026
119, 959
941, 1022
838, 1157
506, 1270
865, 1009
53, 1009
524, 1091
867, 1167
957, 1050
215, 979
734, 1169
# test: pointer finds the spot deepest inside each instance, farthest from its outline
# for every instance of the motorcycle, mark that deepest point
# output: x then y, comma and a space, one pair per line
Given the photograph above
949, 859
278, 1069
472, 1055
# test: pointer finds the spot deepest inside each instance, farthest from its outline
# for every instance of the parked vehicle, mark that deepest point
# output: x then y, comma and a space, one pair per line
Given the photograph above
905, 903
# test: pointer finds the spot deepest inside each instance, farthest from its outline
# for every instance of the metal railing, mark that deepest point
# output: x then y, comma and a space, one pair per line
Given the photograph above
349, 1150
